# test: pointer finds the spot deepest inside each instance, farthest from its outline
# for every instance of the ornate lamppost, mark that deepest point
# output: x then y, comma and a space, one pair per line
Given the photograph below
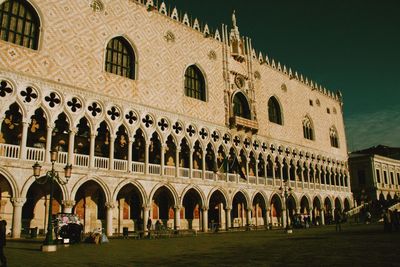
286, 192
51, 176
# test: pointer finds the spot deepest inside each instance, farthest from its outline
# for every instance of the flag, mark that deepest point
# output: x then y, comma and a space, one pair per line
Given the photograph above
224, 166
239, 169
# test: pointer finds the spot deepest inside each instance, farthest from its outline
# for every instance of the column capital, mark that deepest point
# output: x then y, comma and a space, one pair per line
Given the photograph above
68, 203
177, 207
18, 201
110, 205
73, 130
228, 208
204, 208
146, 207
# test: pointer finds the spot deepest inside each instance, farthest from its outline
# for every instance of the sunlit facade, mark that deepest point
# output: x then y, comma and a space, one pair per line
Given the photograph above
160, 118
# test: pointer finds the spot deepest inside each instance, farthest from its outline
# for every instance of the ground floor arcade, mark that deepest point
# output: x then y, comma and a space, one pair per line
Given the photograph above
114, 203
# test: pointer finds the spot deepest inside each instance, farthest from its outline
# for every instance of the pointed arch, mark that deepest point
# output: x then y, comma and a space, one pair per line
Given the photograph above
135, 184
195, 84
274, 111
37, 131
222, 192
333, 136
197, 189
20, 23
308, 128
11, 181
95, 179
241, 106
11, 127
120, 57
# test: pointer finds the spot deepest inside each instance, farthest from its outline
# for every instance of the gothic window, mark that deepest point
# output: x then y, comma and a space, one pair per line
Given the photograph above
19, 23
120, 58
195, 86
240, 106
334, 137
308, 131
274, 111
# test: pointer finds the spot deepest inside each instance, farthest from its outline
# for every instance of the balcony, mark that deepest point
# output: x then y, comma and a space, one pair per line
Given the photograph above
9, 151
243, 124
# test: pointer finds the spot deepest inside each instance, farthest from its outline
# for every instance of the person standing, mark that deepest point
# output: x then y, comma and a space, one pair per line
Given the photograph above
3, 258
149, 223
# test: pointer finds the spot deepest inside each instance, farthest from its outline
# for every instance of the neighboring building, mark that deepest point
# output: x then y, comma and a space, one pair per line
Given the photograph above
375, 174
147, 105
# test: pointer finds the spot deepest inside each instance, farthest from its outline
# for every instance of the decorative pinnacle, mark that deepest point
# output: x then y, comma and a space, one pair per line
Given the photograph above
234, 19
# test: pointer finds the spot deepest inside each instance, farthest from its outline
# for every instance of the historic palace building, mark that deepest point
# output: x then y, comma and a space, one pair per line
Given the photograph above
159, 116
376, 174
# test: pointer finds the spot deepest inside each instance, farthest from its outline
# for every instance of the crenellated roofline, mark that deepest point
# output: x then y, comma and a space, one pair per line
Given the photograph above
204, 29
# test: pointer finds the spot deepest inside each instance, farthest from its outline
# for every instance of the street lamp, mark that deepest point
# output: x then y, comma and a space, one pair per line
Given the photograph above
286, 192
51, 176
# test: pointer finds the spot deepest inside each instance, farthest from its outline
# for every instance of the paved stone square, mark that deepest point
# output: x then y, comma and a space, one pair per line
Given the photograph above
357, 245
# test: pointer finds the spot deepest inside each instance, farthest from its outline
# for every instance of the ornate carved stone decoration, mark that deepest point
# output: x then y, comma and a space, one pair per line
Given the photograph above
96, 5
29, 94
74, 104
5, 89
212, 55
53, 99
169, 36
284, 87
240, 81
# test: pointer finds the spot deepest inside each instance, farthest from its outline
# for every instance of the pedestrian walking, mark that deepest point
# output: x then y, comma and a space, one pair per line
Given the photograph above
3, 258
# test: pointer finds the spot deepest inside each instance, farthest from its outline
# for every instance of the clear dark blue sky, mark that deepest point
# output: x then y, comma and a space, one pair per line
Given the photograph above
352, 45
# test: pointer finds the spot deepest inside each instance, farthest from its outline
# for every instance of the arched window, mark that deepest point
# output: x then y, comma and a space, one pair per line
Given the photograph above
19, 23
195, 85
120, 58
240, 106
308, 131
334, 137
274, 111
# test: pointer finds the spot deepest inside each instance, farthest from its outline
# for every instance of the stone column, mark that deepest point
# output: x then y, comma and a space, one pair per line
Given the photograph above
177, 218
191, 162
110, 208
177, 161
256, 174
146, 159
162, 163
311, 214
24, 137
228, 218
267, 219
92, 147
322, 216
203, 164
249, 218
281, 174
71, 145
146, 216
111, 155
68, 205
284, 217
48, 143
18, 203
205, 219
130, 143
247, 169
